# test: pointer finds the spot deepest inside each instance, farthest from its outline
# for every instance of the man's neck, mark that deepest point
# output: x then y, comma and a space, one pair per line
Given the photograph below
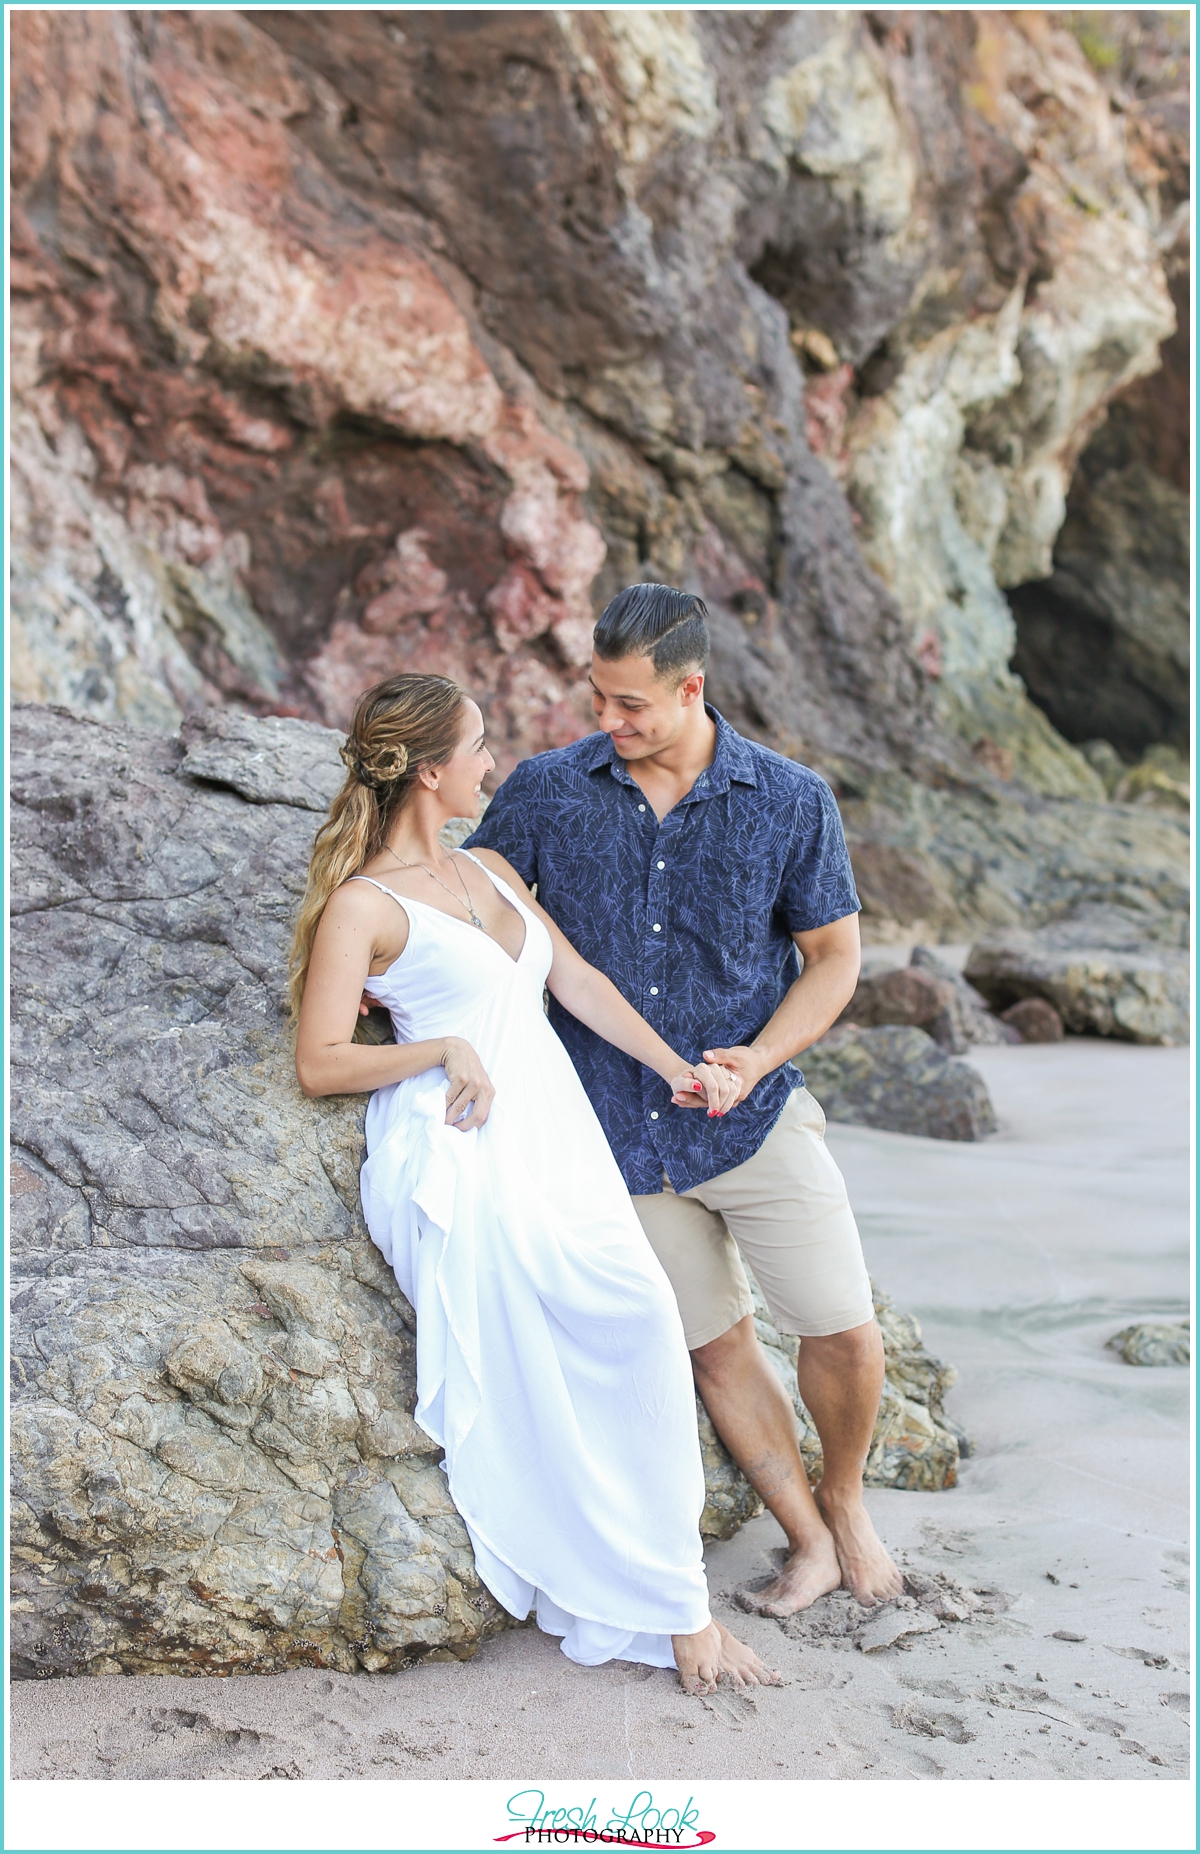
669, 775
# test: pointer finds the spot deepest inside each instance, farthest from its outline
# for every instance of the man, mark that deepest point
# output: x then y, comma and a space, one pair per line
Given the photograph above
684, 861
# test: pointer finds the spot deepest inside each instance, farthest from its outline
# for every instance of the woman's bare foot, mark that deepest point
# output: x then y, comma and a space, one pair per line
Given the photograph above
809, 1573
714, 1654
698, 1658
867, 1569
742, 1666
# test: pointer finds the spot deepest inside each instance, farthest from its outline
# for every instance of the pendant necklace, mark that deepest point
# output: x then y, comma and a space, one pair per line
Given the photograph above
475, 920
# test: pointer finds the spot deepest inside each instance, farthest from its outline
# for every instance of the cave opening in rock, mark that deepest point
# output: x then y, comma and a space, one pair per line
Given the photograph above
1103, 644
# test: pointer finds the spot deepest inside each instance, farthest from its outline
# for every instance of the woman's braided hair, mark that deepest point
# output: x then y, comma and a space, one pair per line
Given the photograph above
400, 725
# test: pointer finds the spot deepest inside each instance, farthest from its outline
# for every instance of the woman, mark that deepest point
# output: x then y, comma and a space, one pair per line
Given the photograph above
551, 1363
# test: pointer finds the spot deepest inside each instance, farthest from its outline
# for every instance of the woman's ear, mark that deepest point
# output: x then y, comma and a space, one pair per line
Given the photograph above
428, 775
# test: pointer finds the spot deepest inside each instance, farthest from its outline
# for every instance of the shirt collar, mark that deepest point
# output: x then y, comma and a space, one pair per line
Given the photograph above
732, 761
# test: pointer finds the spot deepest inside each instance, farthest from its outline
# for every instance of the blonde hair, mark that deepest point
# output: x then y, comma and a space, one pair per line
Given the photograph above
399, 726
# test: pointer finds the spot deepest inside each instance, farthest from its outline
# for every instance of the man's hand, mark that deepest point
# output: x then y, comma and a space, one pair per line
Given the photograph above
748, 1064
705, 1085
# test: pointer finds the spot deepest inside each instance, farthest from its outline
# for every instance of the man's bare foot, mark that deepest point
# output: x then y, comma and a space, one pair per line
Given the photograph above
742, 1666
809, 1573
698, 1658
867, 1569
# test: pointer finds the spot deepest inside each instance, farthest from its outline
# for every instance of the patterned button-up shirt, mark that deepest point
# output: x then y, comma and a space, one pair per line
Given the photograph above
691, 918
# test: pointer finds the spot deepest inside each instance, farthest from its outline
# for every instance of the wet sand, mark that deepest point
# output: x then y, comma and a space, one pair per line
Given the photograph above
1020, 1255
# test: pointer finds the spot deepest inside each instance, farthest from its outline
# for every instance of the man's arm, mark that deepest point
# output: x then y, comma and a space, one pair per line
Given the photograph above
832, 957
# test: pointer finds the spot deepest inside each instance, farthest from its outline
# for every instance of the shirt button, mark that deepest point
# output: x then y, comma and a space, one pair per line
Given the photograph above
654, 1116
654, 991
660, 865
641, 807
657, 927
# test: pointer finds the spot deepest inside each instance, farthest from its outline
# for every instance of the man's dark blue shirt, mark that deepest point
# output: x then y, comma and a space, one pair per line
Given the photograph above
691, 919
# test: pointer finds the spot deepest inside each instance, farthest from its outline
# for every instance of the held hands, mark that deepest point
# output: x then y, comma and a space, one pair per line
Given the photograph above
705, 1085
469, 1094
747, 1064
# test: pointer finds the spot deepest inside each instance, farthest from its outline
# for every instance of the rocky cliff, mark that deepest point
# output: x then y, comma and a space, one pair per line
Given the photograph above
349, 339
1103, 642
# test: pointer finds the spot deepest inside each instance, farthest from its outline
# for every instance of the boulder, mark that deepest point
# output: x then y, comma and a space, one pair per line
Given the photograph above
1107, 972
931, 995
896, 1077
1035, 1021
1153, 1343
908, 995
215, 1463
972, 1021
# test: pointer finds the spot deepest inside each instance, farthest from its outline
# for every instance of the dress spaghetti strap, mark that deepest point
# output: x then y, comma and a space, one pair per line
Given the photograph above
381, 886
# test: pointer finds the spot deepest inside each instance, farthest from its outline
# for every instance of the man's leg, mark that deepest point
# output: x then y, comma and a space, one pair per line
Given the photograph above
750, 1409
788, 1209
753, 1415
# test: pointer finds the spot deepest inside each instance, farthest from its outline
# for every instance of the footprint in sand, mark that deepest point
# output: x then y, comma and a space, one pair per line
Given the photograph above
922, 1722
1177, 1571
732, 1706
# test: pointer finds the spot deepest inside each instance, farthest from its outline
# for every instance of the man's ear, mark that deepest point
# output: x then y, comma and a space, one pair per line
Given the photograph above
691, 689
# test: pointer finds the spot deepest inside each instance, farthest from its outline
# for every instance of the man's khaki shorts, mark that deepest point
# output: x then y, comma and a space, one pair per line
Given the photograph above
787, 1211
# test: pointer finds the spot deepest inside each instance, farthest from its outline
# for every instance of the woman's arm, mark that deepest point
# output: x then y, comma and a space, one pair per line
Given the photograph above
328, 1061
596, 1002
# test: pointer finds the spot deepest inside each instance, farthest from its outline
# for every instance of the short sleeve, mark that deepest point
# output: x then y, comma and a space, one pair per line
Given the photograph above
818, 884
508, 826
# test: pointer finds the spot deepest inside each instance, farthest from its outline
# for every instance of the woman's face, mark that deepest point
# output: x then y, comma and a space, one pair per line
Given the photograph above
460, 780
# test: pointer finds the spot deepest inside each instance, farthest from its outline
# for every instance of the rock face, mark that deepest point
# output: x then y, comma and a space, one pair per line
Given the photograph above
897, 1078
1106, 972
950, 864
216, 1468
1103, 643
345, 343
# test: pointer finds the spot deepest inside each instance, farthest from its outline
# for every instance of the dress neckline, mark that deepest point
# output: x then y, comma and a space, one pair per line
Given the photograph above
402, 901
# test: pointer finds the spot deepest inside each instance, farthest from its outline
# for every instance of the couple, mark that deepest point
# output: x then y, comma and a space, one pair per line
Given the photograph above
540, 1186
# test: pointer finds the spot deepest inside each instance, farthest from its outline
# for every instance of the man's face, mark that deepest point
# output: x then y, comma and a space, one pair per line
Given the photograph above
643, 713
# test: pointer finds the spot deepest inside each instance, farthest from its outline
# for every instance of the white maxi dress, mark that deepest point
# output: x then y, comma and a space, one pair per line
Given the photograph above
551, 1362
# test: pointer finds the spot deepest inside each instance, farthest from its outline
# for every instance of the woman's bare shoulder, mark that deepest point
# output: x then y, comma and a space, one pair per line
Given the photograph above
359, 903
377, 925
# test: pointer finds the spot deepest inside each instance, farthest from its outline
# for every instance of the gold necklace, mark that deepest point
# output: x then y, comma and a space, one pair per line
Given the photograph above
475, 920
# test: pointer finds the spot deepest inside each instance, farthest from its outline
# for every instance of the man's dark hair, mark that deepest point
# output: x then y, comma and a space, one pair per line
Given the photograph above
658, 622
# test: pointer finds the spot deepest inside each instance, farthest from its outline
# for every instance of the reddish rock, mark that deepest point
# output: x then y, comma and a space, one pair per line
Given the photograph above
905, 996
1036, 1020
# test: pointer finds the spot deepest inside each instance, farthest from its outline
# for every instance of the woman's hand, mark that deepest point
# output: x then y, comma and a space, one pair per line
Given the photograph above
470, 1094
706, 1084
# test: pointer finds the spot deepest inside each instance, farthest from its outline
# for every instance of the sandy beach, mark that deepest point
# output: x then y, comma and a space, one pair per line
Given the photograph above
1020, 1256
